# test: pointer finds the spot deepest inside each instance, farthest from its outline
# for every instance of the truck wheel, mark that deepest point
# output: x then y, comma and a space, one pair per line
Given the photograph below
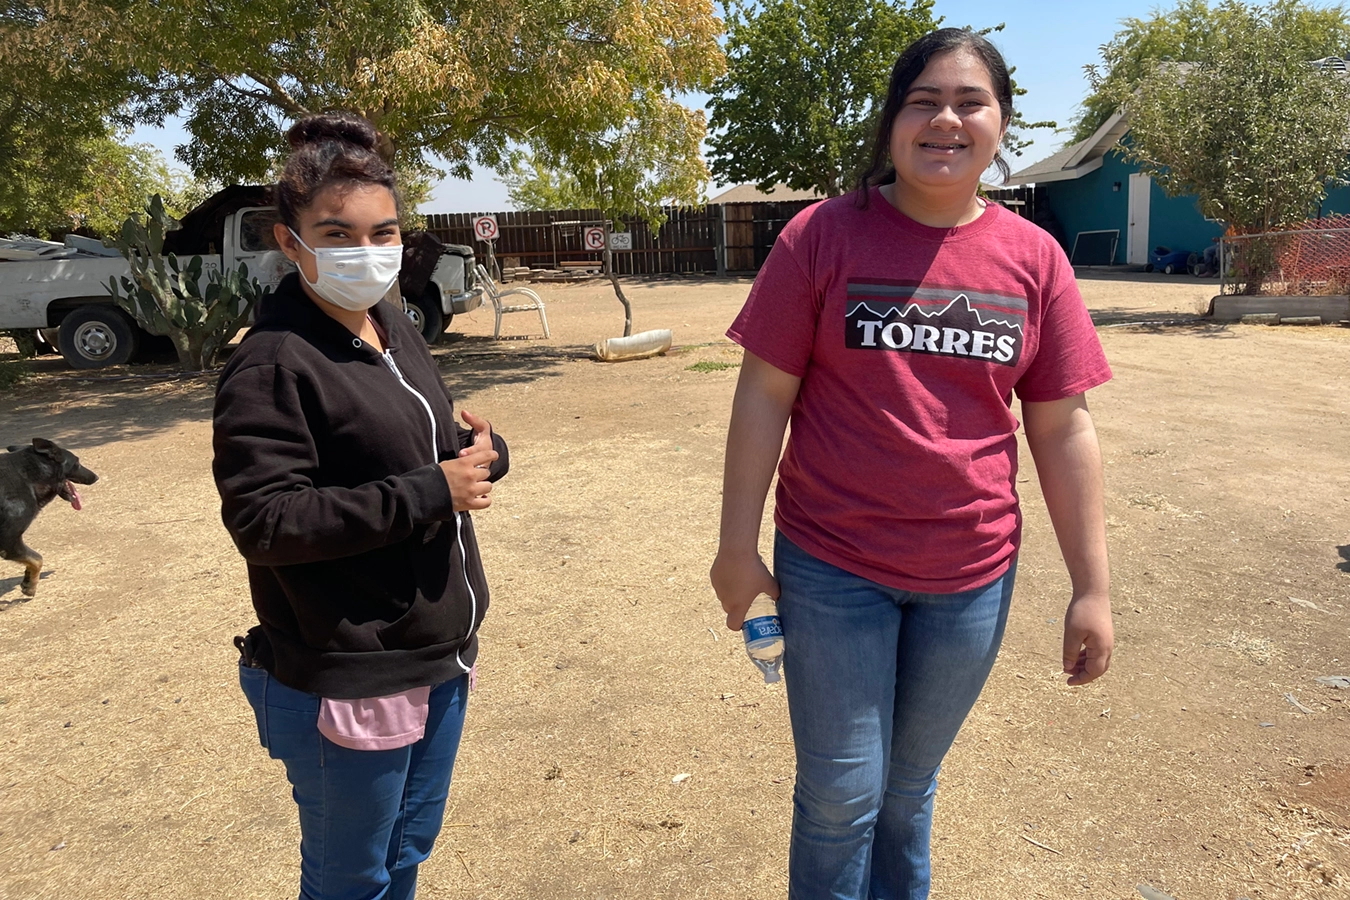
426, 316
96, 336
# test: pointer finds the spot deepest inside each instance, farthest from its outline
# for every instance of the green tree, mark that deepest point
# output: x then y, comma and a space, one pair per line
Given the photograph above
1255, 130
530, 184
64, 160
805, 83
87, 179
121, 177
447, 83
1193, 32
625, 173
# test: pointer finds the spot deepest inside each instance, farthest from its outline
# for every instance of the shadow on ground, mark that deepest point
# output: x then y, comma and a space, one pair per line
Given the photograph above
87, 409
10, 593
472, 363
1344, 551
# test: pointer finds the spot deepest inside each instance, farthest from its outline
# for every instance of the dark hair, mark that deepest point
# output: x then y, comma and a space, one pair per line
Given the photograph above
907, 68
330, 150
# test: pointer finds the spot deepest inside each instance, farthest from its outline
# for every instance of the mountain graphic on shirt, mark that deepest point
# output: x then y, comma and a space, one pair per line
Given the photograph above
961, 324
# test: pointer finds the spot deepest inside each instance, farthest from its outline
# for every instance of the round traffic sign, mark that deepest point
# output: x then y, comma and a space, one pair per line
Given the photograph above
595, 238
485, 228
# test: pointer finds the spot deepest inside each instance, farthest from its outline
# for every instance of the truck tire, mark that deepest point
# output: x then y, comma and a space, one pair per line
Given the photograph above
96, 336
425, 313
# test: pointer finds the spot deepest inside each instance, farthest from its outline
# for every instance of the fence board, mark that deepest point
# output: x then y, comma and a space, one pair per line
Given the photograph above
752, 229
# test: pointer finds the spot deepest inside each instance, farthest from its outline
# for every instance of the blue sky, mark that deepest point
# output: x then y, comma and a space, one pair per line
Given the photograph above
1048, 41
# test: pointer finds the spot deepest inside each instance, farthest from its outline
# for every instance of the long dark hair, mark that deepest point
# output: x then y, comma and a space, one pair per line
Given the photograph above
332, 149
908, 67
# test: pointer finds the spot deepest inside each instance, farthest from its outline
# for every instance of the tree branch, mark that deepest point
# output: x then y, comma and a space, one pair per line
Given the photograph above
279, 96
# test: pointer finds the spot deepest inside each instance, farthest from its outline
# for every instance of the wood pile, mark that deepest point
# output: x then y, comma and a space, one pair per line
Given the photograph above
570, 272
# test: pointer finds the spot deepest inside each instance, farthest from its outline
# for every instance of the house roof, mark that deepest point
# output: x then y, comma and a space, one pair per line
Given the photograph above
1075, 160
748, 193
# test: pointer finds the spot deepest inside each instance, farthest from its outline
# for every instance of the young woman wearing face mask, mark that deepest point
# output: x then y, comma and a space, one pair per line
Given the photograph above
892, 327
346, 484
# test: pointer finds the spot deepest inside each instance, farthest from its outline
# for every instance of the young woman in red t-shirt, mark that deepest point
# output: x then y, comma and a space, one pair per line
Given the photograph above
892, 327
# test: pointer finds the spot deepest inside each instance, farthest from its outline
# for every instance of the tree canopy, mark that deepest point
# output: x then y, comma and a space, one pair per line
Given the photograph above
629, 172
805, 83
1193, 32
86, 178
64, 162
447, 82
1254, 129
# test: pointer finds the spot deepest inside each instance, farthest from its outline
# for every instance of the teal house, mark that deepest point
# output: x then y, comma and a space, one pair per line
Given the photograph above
1106, 212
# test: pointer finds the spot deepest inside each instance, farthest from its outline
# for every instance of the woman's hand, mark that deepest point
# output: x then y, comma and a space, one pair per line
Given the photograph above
467, 476
482, 433
738, 580
1088, 638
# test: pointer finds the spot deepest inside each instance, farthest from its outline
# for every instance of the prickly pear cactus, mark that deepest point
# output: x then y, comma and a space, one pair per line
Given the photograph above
166, 297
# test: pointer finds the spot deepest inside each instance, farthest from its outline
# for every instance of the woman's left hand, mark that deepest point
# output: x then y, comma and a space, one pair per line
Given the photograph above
482, 432
1088, 638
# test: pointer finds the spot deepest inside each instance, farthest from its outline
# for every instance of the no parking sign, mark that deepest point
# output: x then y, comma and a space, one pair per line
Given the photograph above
485, 227
594, 238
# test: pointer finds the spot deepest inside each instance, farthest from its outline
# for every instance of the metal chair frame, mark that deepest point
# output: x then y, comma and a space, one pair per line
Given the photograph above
496, 294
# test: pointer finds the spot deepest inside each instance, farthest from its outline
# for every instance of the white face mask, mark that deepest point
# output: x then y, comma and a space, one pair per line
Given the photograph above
354, 278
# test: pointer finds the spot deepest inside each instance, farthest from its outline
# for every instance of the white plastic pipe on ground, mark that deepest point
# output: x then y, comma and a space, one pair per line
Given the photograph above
637, 346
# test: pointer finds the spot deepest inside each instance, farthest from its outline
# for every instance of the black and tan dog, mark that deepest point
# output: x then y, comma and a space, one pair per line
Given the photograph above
30, 477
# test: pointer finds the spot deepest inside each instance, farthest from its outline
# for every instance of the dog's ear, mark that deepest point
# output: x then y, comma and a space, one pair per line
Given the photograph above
47, 448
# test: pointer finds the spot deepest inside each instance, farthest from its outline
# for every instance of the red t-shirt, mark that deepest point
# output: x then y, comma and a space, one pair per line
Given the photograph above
909, 340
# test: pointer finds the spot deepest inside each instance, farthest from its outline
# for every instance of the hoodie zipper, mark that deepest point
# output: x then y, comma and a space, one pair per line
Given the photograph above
459, 540
393, 367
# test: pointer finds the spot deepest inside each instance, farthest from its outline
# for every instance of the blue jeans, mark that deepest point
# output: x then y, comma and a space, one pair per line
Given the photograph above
879, 681
368, 818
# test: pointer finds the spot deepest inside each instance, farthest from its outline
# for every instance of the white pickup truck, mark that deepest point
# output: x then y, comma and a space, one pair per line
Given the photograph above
61, 290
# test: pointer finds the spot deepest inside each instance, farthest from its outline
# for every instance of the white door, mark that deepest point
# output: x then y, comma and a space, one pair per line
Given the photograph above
1136, 239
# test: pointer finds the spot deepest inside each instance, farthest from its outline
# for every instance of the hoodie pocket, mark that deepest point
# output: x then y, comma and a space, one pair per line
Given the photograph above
443, 607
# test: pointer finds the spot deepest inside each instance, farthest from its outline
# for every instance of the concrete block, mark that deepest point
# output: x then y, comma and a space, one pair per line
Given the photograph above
1232, 307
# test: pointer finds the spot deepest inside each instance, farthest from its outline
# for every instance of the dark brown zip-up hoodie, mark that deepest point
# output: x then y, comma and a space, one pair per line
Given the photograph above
365, 580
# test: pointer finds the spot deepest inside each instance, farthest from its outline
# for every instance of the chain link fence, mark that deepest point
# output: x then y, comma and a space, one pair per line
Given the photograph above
1311, 259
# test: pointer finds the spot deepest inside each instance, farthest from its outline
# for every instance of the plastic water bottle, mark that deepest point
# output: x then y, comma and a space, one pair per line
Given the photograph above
763, 632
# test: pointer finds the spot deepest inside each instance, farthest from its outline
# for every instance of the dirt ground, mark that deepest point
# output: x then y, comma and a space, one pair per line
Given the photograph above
1209, 763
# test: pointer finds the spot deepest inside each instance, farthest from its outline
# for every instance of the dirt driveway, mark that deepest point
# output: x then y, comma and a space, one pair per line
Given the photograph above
1209, 764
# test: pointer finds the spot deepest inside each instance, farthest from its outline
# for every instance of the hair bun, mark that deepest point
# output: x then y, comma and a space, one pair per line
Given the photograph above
346, 127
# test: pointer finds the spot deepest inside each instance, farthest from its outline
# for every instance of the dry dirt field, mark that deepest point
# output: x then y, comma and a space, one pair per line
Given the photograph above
1209, 763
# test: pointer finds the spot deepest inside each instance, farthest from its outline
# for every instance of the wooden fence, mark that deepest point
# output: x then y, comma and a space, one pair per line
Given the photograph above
732, 237
752, 228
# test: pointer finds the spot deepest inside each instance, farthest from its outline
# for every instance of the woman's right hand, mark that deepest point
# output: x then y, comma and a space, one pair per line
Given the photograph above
738, 579
467, 477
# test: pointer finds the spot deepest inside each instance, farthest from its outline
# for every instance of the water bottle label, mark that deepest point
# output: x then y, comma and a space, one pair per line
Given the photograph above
764, 627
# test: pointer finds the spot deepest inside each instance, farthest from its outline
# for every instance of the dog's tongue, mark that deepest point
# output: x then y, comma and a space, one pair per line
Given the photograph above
74, 494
